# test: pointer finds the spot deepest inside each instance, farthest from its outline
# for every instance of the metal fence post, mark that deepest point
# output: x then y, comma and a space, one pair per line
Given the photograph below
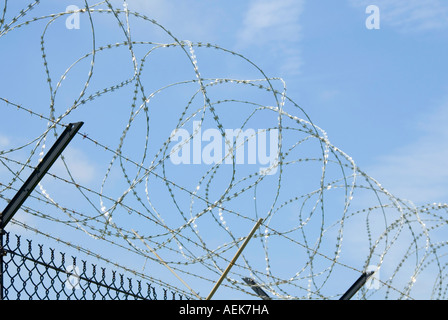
29, 185
2, 254
39, 172
260, 292
224, 274
357, 285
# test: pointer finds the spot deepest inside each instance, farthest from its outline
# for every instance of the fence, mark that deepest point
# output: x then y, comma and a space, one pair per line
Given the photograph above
36, 274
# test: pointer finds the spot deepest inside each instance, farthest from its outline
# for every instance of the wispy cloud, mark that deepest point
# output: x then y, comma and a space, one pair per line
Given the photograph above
274, 25
4, 141
410, 15
271, 20
81, 167
187, 20
418, 171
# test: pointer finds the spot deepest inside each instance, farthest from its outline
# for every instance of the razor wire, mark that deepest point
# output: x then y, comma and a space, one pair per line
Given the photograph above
324, 219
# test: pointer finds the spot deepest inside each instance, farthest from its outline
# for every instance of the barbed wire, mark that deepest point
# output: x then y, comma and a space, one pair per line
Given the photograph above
324, 219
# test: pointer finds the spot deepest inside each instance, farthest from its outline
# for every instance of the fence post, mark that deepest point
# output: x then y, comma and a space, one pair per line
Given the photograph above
39, 172
224, 274
29, 185
357, 285
2, 254
260, 292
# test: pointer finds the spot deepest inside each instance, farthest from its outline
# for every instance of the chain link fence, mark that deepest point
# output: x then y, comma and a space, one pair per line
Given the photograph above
32, 273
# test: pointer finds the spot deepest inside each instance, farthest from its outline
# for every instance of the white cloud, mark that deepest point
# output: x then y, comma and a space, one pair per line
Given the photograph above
154, 8
274, 25
81, 167
272, 20
419, 171
329, 94
187, 20
4, 141
25, 218
410, 15
271, 26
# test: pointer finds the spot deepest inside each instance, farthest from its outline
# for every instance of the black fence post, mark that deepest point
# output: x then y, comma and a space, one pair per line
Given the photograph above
357, 285
39, 172
260, 292
29, 185
2, 254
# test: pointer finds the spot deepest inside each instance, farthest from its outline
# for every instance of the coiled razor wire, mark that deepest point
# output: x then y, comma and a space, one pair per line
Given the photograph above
325, 220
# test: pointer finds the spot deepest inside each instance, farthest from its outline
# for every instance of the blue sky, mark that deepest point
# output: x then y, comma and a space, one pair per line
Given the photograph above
376, 92
381, 95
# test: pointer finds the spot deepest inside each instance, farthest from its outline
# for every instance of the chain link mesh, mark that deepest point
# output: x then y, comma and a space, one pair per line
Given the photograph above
33, 273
